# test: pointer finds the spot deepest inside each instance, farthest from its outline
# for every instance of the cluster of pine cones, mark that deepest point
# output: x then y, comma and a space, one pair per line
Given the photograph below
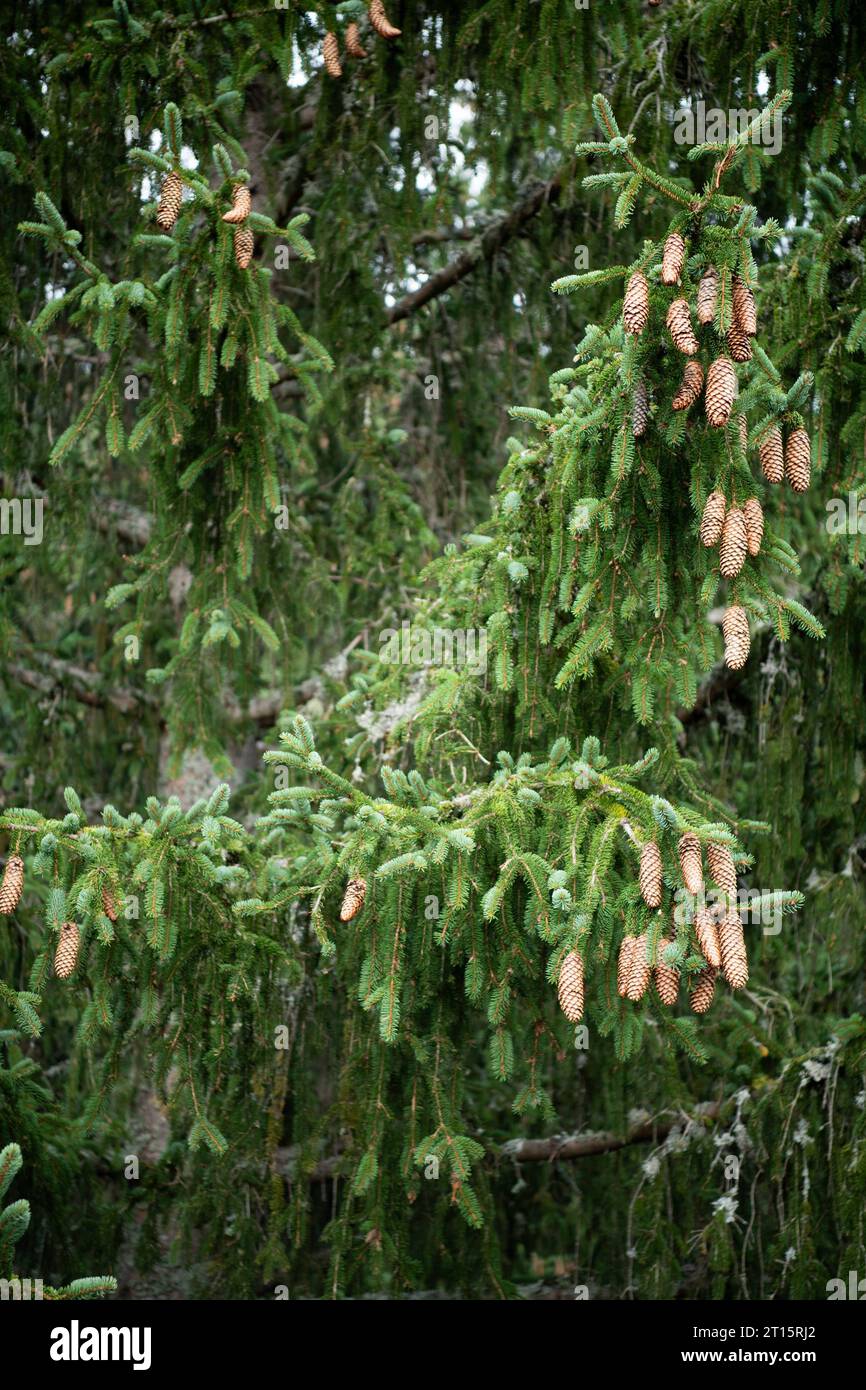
240, 210
737, 531
718, 929
791, 459
171, 199
69, 945
331, 46
718, 933
720, 388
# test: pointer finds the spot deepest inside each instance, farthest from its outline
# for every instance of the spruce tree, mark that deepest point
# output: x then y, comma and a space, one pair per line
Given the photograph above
515, 881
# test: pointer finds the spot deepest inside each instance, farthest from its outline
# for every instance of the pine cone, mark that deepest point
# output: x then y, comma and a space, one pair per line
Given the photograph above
12, 885
244, 246
753, 516
732, 947
650, 874
745, 314
735, 628
640, 409
635, 305
713, 519
722, 869
679, 322
331, 55
66, 955
570, 987
170, 200
798, 460
703, 989
109, 906
721, 391
738, 344
623, 965
708, 937
673, 259
689, 849
667, 977
640, 970
353, 899
354, 47
732, 553
690, 387
380, 21
772, 455
708, 293
241, 204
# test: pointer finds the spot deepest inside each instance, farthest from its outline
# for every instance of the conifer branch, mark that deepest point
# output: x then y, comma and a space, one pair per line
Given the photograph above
491, 240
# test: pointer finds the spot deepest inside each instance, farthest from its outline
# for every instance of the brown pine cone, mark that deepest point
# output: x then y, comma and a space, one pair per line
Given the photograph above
689, 849
721, 391
735, 629
354, 47
798, 460
66, 955
713, 519
703, 989
570, 988
650, 874
244, 246
170, 200
738, 344
673, 259
679, 323
667, 977
623, 965
635, 305
640, 970
753, 516
12, 885
732, 947
109, 906
708, 937
708, 293
745, 313
241, 204
722, 869
331, 55
690, 387
380, 21
353, 899
732, 553
772, 455
640, 409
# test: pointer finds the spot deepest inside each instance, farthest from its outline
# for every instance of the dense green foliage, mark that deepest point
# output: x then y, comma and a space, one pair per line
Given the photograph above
391, 418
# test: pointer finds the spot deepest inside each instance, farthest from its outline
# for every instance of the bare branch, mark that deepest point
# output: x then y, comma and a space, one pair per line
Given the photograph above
585, 1145
491, 240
